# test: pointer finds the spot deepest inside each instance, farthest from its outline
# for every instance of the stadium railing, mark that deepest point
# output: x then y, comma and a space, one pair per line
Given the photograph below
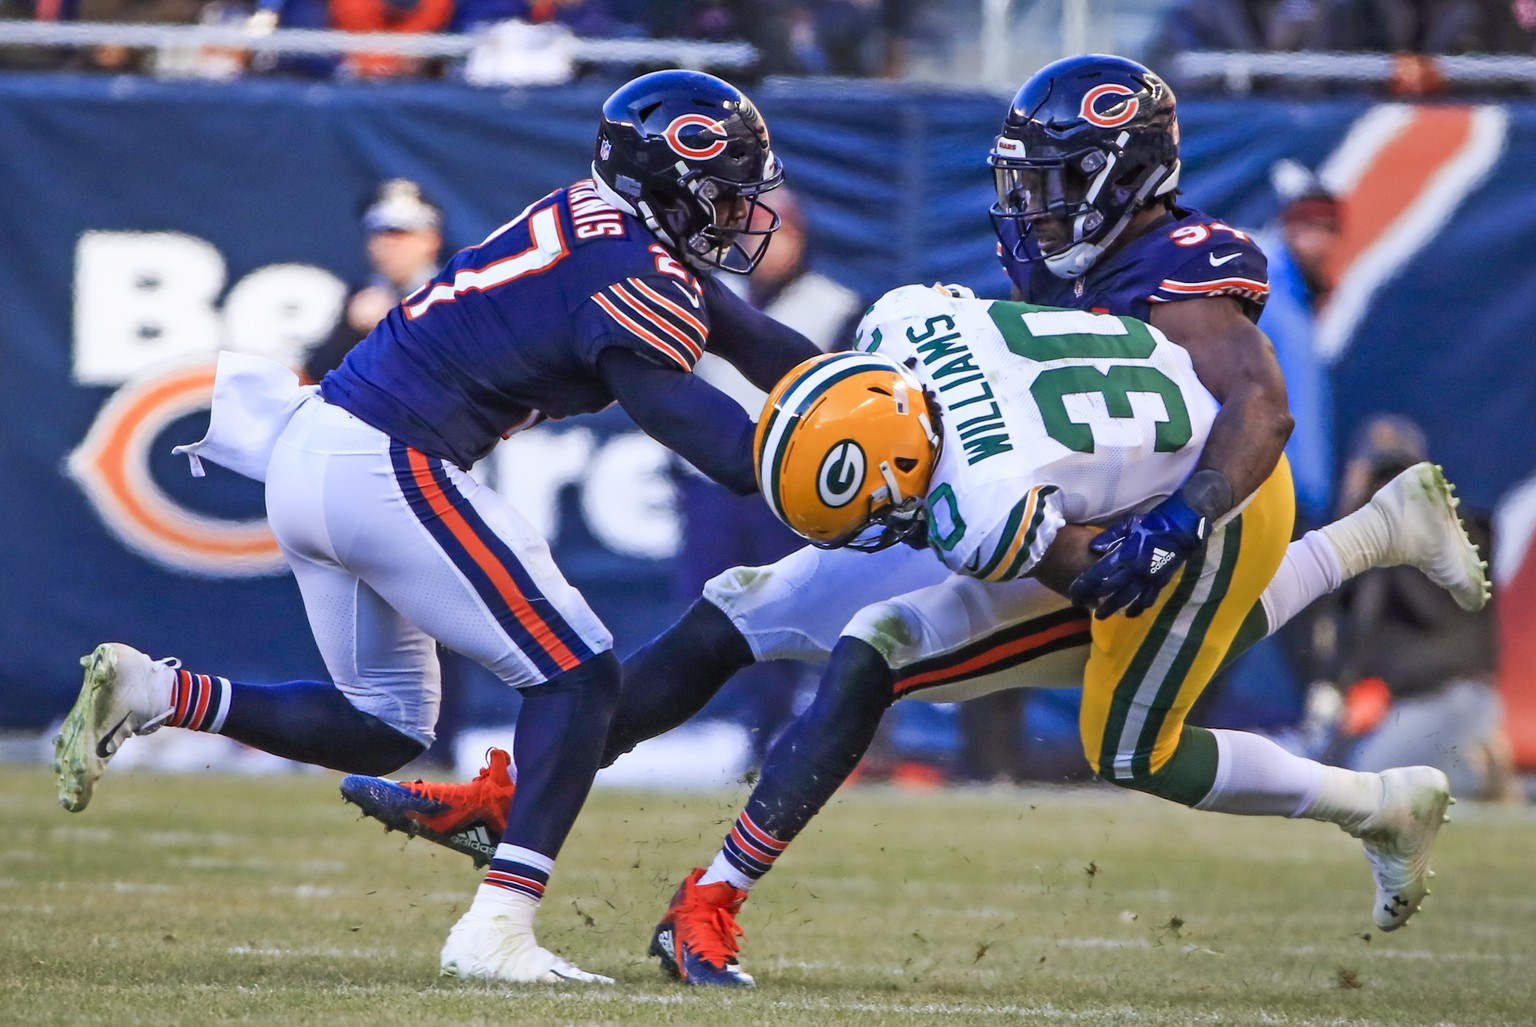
1240, 71
681, 52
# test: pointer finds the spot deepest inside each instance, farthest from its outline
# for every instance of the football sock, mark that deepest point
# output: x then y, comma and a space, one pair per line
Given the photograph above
809, 762
1256, 777
1359, 539
673, 676
1345, 797
516, 907
313, 722
1311, 569
199, 702
749, 852
520, 870
560, 732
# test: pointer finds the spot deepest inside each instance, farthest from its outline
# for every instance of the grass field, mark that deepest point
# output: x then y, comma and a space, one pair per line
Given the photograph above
205, 899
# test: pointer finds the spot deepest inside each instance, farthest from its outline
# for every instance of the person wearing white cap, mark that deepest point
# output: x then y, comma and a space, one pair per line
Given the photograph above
405, 244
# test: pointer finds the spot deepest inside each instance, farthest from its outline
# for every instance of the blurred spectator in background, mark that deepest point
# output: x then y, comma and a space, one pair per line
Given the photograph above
405, 248
1407, 672
1416, 26
158, 12
404, 16
1266, 685
37, 58
851, 38
722, 530
1514, 26
97, 58
592, 18
1299, 248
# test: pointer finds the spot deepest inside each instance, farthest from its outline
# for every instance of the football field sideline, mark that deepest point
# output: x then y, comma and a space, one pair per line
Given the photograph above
196, 899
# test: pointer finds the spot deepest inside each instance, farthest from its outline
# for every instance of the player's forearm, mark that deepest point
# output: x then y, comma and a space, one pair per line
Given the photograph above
1066, 557
762, 349
687, 415
1245, 442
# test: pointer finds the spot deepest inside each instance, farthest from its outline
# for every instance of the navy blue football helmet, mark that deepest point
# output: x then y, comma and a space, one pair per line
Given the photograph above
688, 154
1088, 142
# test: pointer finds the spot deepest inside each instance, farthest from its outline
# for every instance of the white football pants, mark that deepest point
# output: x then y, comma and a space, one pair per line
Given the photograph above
948, 637
393, 549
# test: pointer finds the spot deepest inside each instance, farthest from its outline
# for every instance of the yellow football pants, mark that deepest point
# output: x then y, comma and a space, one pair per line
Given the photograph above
1145, 672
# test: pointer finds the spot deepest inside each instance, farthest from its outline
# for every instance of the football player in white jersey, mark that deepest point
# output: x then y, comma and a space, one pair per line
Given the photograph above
1003, 433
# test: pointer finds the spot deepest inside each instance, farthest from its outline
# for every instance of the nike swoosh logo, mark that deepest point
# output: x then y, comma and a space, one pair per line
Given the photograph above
101, 747
689, 296
1218, 261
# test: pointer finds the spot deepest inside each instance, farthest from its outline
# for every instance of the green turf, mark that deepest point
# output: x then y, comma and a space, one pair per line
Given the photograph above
205, 899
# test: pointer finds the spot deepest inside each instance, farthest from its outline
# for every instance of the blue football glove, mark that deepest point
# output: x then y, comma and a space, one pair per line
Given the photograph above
1142, 552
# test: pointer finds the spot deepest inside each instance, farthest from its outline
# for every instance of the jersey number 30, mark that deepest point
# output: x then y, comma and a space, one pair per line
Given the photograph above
1076, 334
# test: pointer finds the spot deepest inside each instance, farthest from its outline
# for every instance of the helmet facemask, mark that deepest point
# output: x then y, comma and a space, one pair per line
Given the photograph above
1052, 208
712, 223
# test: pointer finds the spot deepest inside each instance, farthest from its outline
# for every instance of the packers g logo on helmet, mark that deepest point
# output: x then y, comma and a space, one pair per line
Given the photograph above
845, 440
841, 474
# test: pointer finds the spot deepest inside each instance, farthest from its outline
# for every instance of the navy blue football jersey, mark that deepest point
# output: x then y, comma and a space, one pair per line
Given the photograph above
1185, 255
509, 332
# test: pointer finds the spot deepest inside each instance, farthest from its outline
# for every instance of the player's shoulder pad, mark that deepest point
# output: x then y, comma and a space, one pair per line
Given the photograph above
905, 302
659, 312
1202, 256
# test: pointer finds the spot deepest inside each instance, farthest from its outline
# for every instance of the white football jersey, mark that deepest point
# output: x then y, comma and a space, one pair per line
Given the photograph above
1050, 417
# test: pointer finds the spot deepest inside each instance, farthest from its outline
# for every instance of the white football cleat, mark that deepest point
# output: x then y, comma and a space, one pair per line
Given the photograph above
1424, 532
125, 693
491, 947
1397, 840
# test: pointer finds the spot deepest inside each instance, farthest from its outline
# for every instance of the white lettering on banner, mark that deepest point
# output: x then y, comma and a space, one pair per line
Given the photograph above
628, 501
625, 495
531, 468
143, 298
282, 310
147, 321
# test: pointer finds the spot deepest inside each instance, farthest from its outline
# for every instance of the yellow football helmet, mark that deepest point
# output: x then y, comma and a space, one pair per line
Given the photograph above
847, 440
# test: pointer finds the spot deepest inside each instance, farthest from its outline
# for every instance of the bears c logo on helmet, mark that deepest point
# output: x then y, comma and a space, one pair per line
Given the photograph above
707, 131
841, 474
1117, 114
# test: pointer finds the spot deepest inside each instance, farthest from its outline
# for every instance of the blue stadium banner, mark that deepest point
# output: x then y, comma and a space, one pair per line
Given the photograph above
148, 225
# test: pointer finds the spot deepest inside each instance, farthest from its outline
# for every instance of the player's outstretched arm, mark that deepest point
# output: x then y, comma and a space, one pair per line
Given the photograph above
762, 349
686, 414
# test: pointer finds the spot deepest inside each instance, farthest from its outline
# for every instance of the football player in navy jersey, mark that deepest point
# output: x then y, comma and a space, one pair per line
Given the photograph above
598, 292
1087, 172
